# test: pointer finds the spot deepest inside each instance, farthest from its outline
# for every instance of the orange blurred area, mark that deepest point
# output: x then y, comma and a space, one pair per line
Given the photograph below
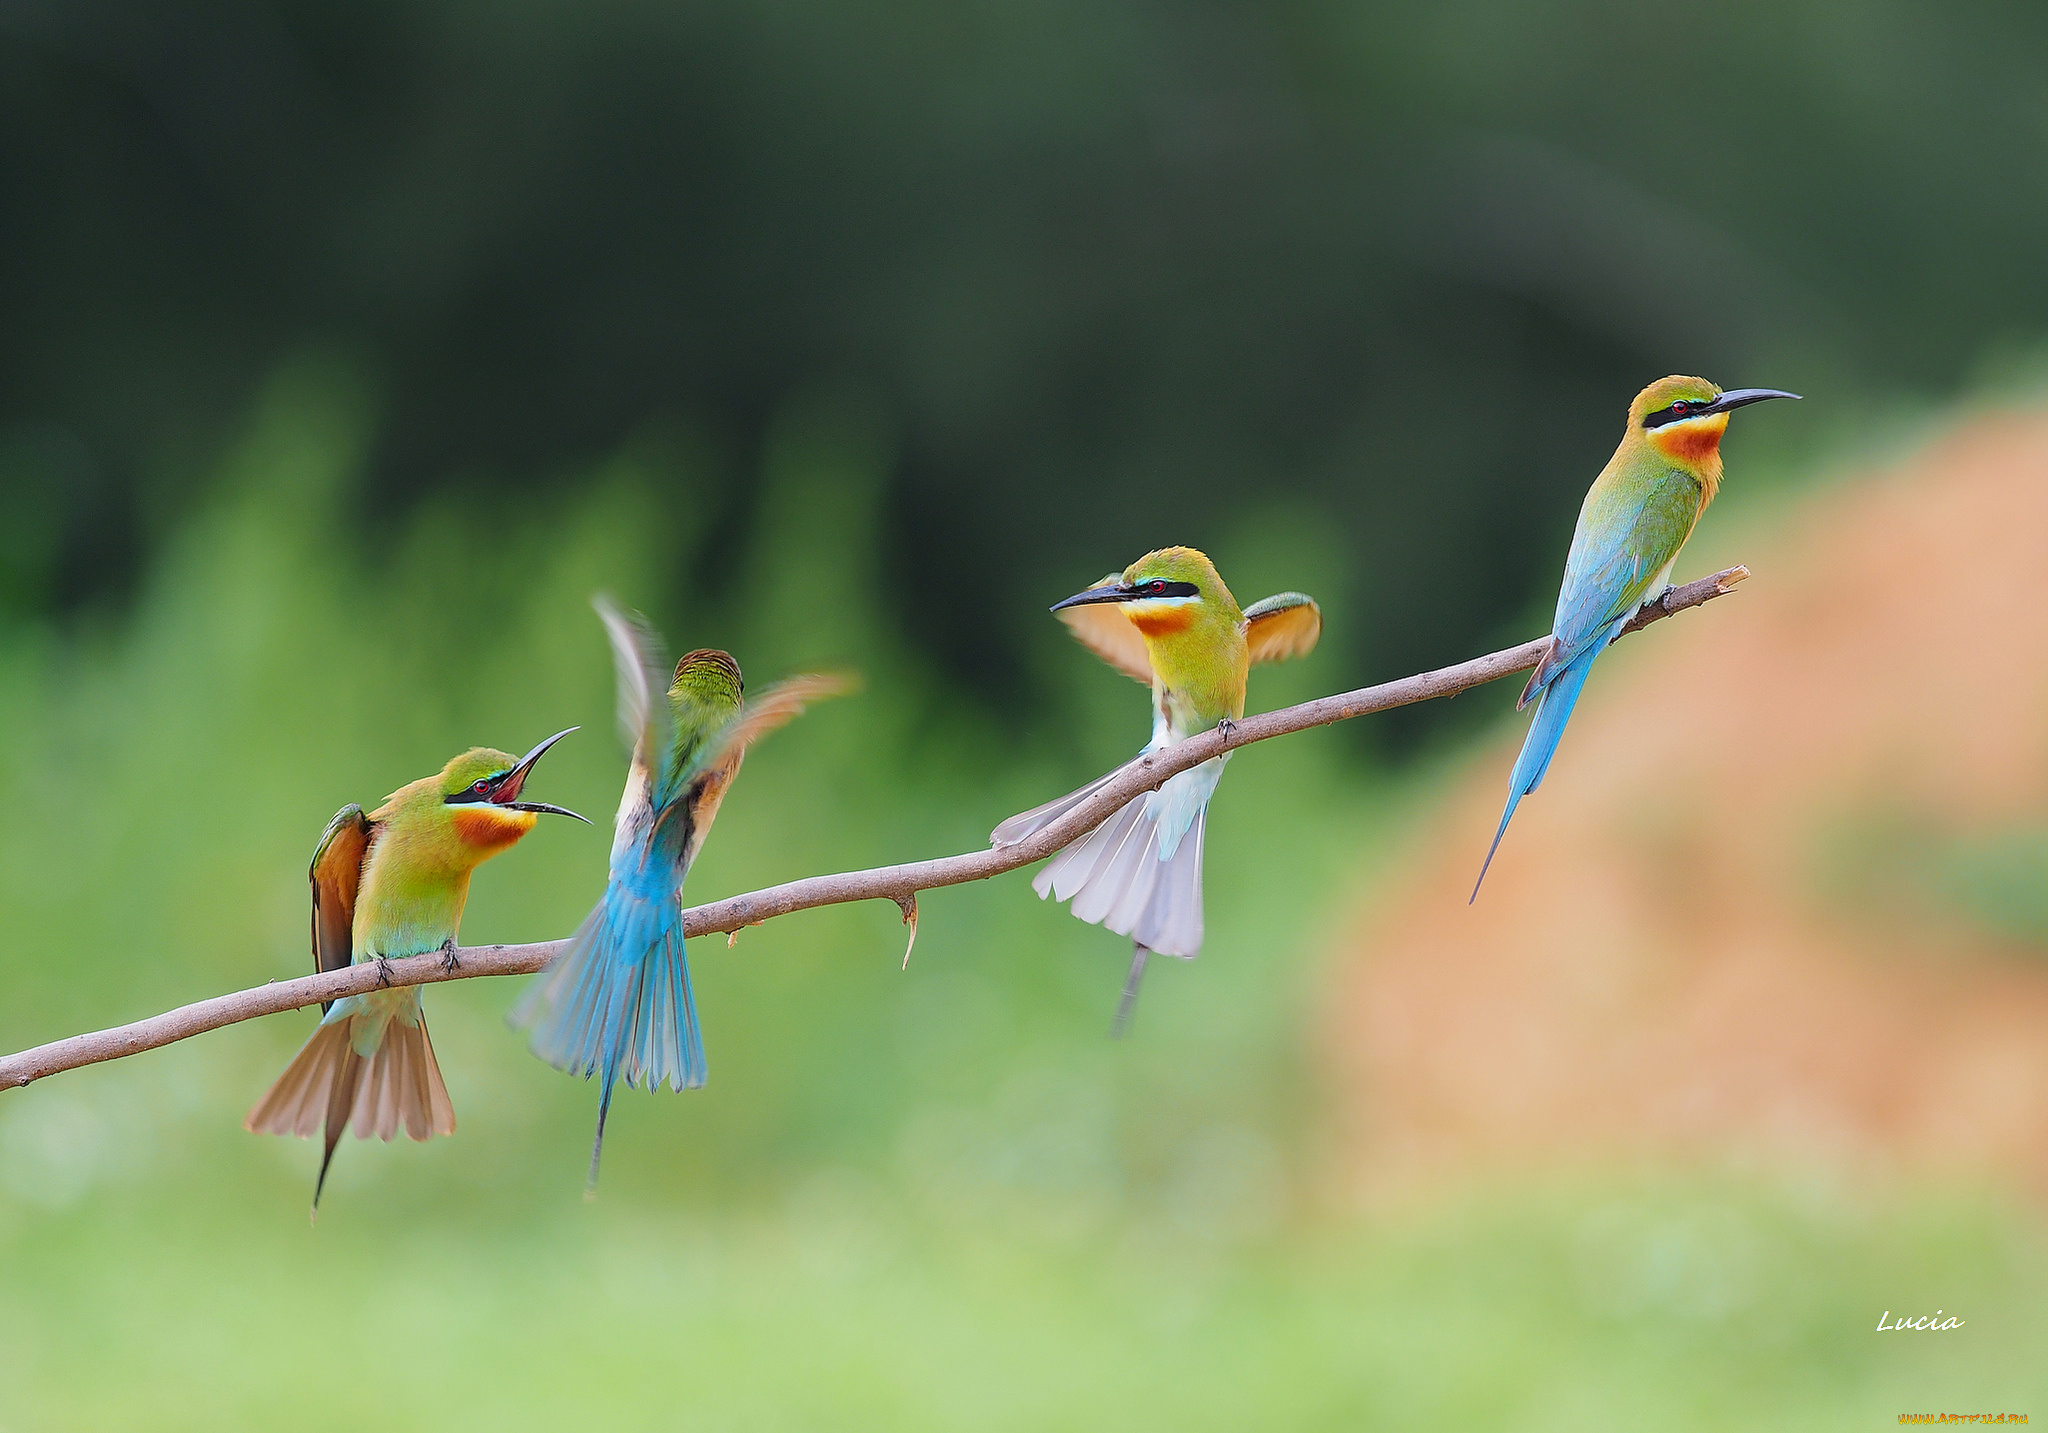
1779, 902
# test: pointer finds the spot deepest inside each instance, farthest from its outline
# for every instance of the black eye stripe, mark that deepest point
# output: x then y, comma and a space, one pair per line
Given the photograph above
478, 790
1677, 412
1161, 587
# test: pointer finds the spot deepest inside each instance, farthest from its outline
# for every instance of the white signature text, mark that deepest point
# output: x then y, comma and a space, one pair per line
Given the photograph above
1925, 1321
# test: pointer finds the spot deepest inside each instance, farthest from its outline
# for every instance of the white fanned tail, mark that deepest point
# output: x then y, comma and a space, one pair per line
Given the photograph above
1140, 872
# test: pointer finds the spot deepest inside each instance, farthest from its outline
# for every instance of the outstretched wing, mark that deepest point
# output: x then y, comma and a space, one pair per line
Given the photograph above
777, 706
646, 723
336, 870
717, 762
642, 666
1103, 629
1284, 625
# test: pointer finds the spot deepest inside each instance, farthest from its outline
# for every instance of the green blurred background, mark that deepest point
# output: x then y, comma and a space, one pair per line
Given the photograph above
346, 350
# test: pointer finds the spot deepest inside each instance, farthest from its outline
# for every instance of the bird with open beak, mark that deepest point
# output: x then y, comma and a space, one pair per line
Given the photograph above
389, 884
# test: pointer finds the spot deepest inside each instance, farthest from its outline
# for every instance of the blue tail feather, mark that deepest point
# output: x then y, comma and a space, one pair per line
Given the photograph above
618, 1004
1553, 710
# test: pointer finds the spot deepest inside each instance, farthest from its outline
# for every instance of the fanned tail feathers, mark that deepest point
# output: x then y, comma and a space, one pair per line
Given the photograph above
1115, 879
328, 1086
1114, 876
1026, 824
618, 1003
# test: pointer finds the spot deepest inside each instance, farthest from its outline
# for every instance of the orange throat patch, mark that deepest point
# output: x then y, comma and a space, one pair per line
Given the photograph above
1694, 442
492, 828
1161, 622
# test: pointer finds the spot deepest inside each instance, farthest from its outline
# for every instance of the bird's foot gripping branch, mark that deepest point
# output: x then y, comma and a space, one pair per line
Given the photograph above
894, 883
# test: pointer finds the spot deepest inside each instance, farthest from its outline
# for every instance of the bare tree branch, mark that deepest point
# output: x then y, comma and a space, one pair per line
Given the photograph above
895, 883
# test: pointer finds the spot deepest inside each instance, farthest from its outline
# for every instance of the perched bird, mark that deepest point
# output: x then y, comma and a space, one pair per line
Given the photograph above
389, 884
1168, 621
1636, 517
617, 1003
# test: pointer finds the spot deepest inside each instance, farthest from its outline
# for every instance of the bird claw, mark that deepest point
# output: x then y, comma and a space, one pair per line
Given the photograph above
383, 973
450, 961
1227, 727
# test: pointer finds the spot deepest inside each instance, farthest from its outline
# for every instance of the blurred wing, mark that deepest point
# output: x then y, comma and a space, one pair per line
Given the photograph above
336, 871
713, 766
1103, 629
644, 716
775, 707
1282, 626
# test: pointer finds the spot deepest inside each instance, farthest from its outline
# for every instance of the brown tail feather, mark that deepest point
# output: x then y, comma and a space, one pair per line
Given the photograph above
402, 1088
376, 1107
297, 1102
314, 1093
348, 1072
440, 1109
328, 1086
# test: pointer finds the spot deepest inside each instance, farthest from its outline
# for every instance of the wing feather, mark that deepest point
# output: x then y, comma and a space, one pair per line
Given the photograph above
711, 769
1606, 578
1103, 629
775, 707
336, 871
1615, 557
1284, 625
642, 665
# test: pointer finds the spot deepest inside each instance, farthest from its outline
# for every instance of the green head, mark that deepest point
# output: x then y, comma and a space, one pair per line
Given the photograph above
1683, 419
705, 696
474, 803
1190, 634
482, 776
1164, 591
710, 680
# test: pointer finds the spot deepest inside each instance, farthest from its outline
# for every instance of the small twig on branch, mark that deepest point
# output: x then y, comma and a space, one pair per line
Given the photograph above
909, 904
895, 883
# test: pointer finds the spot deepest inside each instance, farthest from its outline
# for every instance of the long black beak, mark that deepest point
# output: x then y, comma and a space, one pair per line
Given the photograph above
1742, 397
509, 785
1114, 592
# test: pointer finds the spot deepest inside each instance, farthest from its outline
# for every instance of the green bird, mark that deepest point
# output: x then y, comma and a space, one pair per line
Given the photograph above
618, 1003
1168, 621
1636, 517
389, 884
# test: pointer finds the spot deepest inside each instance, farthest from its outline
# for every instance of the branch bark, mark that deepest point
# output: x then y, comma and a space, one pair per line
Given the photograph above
900, 884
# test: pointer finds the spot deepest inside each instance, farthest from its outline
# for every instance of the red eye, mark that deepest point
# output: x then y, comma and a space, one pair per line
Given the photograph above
1156, 586
482, 786
1682, 405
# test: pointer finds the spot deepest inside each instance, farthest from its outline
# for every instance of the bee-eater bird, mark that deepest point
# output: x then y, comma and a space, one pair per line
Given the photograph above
617, 1003
1168, 621
1636, 517
385, 885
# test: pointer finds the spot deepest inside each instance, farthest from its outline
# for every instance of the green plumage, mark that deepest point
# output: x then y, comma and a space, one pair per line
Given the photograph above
1636, 517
